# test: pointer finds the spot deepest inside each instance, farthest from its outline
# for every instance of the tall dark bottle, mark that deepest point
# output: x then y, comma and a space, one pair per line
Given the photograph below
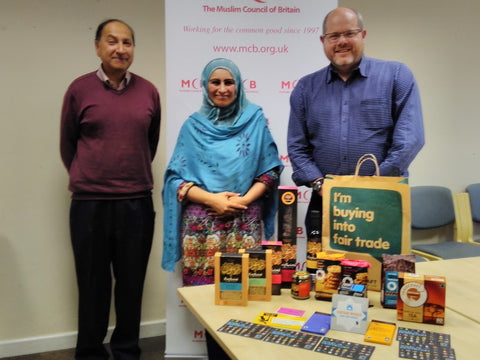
314, 243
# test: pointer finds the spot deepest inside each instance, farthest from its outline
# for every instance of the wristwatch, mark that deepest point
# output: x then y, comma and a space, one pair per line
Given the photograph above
317, 185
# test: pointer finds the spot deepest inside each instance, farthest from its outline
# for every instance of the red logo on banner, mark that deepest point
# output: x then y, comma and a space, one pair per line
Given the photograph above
284, 159
304, 196
288, 85
250, 85
196, 85
199, 335
190, 85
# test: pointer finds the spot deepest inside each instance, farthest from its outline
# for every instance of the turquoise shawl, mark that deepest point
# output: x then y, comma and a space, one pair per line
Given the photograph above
217, 158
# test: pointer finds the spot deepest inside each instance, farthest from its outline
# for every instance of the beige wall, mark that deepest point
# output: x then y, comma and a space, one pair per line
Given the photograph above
46, 44
437, 40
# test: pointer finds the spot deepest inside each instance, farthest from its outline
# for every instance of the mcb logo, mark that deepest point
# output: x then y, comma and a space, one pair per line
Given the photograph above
304, 196
250, 85
198, 336
286, 85
190, 85
195, 84
285, 159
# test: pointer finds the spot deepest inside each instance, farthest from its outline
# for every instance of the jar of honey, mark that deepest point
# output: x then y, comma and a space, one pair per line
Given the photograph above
300, 285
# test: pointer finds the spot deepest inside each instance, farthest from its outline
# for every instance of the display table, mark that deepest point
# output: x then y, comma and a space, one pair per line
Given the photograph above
463, 285
461, 324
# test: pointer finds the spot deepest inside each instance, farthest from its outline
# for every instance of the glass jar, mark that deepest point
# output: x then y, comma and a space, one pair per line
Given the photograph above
300, 285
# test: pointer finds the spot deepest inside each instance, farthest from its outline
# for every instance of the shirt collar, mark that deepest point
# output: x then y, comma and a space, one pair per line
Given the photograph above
362, 70
102, 76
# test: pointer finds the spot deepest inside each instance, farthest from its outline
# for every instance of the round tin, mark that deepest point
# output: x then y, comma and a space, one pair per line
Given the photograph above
300, 285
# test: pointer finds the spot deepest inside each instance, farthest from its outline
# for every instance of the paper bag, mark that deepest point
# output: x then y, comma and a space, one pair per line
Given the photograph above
366, 216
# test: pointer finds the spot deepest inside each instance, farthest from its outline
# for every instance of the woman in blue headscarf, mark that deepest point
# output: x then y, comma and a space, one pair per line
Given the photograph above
220, 184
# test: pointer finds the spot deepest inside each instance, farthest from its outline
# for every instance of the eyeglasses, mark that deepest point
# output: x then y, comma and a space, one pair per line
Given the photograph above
334, 37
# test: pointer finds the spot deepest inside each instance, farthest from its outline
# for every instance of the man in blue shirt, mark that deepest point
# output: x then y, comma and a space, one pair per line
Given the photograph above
354, 106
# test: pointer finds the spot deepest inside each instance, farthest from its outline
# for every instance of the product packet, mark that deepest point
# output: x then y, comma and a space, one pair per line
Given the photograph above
329, 275
276, 248
287, 231
231, 279
355, 272
259, 274
421, 298
392, 265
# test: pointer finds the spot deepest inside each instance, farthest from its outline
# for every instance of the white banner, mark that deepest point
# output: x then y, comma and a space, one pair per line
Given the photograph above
274, 43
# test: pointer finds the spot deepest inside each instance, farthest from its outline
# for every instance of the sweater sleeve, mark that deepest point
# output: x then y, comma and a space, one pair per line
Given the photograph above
154, 130
69, 129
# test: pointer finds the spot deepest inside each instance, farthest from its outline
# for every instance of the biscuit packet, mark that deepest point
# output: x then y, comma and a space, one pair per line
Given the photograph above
329, 275
355, 272
276, 248
392, 265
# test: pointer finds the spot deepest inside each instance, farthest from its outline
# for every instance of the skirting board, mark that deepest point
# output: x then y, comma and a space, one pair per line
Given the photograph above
184, 357
68, 340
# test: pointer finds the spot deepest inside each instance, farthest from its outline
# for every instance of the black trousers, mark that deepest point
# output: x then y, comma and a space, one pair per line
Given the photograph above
110, 236
215, 351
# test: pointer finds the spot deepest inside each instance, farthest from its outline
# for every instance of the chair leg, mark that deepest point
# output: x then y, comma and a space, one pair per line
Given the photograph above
463, 218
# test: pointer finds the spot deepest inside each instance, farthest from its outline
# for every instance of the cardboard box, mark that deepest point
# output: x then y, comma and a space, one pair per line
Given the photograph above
421, 298
287, 231
259, 274
231, 279
276, 249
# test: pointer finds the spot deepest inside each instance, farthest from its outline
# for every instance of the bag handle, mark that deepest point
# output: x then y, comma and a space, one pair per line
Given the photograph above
365, 158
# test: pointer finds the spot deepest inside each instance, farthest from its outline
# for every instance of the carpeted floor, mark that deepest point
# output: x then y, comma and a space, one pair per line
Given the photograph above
152, 349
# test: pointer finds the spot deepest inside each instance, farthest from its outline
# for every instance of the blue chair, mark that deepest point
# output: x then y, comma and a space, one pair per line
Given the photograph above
473, 192
432, 208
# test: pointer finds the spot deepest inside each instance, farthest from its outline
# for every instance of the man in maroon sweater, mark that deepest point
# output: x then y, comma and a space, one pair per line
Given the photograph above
110, 127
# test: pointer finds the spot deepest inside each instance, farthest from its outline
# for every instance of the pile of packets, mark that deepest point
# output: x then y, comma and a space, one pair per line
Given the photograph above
417, 298
334, 274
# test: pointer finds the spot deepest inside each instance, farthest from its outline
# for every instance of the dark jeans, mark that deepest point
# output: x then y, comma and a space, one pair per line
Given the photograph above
110, 235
